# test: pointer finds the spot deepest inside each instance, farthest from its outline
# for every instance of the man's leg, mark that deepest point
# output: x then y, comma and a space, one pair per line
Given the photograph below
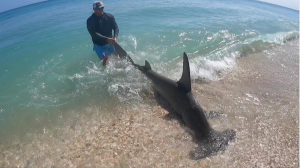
112, 50
109, 50
105, 58
101, 51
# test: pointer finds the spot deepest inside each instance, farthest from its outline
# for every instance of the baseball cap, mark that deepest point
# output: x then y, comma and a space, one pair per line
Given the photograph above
98, 4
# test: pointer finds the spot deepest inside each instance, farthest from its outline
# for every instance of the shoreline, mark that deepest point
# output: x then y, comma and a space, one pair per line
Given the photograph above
259, 100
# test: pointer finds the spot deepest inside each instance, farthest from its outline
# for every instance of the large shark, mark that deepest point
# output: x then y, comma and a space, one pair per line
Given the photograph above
179, 95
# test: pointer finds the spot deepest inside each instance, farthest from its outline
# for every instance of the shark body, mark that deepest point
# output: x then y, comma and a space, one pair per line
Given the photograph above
179, 95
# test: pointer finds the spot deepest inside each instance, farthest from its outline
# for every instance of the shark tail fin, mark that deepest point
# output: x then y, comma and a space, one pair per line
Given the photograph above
185, 81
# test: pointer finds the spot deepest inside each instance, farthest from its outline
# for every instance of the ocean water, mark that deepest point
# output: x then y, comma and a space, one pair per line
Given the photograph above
49, 72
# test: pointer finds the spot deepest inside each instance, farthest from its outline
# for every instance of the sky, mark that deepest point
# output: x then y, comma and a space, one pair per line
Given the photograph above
6, 5
293, 4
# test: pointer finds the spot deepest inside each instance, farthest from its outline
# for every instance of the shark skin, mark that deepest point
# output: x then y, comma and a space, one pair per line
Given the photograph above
123, 54
181, 98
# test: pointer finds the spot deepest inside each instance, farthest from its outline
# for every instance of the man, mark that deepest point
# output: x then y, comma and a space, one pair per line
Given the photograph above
100, 26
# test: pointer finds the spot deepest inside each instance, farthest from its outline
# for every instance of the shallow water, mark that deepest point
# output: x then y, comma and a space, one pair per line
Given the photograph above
259, 100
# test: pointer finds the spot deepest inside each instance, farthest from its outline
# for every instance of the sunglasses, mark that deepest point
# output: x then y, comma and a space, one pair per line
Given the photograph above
100, 9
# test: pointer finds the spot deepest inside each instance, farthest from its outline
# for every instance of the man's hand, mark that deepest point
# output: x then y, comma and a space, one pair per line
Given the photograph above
111, 41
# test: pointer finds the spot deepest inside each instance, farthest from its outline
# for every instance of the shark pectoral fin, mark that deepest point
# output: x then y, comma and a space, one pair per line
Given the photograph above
185, 80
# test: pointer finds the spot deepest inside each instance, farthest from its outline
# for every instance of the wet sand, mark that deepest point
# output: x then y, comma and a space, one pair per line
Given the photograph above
259, 99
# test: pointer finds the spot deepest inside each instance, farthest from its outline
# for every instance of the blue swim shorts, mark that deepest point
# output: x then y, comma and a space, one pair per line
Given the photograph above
106, 50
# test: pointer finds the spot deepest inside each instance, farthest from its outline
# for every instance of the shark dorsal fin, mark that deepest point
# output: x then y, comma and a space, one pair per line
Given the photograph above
185, 80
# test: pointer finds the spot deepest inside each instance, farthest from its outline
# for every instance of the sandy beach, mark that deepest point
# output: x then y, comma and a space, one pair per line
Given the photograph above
259, 99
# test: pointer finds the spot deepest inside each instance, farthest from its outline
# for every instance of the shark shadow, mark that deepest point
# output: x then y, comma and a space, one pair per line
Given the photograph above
179, 95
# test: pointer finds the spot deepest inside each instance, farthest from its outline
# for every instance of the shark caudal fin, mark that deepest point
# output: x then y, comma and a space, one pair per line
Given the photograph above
185, 81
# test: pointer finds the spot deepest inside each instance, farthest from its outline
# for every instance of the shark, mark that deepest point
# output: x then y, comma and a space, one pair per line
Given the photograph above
123, 54
180, 96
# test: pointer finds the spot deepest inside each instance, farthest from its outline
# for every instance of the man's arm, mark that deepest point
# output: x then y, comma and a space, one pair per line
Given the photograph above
115, 28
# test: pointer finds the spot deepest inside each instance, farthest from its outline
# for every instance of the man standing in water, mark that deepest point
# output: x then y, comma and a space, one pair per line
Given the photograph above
100, 26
